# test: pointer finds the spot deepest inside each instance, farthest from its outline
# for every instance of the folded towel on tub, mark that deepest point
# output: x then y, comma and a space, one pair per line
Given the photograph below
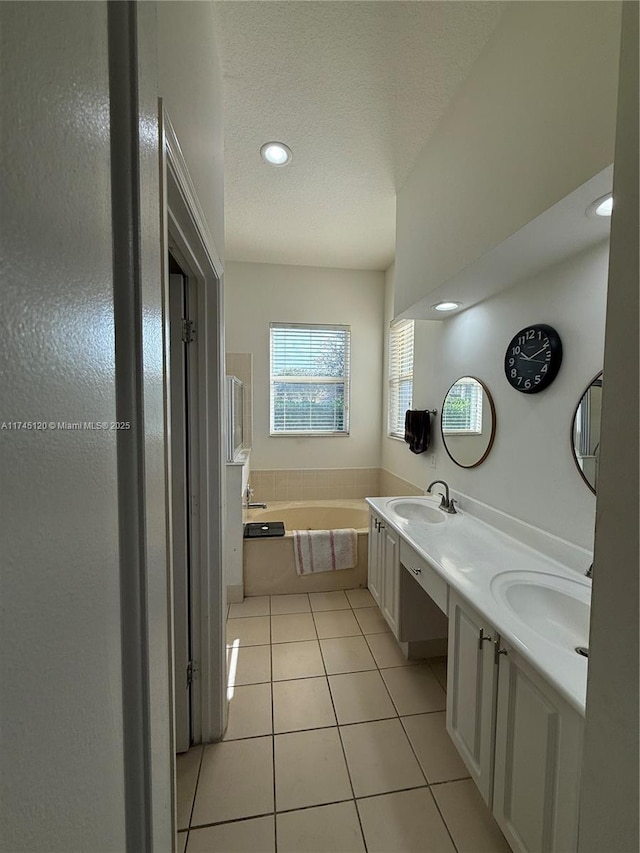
325, 550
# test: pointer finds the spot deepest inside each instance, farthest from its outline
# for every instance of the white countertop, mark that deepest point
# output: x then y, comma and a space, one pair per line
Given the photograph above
468, 553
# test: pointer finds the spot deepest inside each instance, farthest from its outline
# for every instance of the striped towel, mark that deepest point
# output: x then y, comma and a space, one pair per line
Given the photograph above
325, 550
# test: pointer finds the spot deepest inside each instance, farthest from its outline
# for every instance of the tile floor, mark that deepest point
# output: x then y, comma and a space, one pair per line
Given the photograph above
335, 743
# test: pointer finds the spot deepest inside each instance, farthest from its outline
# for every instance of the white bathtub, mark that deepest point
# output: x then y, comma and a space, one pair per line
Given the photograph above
269, 565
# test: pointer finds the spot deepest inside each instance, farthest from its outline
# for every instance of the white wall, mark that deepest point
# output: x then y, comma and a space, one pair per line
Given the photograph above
190, 84
534, 120
258, 294
530, 472
66, 754
61, 697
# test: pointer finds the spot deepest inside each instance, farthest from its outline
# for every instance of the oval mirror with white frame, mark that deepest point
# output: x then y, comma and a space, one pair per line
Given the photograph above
585, 432
468, 422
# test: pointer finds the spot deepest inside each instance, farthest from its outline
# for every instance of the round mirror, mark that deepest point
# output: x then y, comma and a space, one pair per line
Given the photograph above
585, 433
468, 422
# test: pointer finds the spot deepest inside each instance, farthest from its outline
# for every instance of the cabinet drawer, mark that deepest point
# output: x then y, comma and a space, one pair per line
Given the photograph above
429, 580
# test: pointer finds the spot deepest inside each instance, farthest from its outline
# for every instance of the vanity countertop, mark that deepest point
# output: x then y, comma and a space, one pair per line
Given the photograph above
468, 554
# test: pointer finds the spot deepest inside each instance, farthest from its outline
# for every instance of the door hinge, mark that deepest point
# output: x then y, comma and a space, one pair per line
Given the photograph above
192, 671
188, 331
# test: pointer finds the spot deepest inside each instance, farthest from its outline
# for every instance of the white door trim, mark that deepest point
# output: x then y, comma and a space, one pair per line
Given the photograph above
188, 237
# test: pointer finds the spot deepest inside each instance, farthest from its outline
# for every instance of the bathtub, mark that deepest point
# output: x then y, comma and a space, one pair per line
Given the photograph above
269, 565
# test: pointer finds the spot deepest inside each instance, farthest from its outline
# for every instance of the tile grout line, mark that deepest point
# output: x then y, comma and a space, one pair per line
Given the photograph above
344, 755
273, 739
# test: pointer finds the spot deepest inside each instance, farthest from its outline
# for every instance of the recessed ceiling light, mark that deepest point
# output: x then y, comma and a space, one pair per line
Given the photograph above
601, 206
446, 306
276, 153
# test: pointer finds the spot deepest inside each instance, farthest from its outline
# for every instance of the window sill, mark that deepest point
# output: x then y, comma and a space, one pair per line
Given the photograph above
308, 435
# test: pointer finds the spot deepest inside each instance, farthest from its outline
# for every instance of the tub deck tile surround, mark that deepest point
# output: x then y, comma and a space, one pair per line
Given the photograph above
391, 779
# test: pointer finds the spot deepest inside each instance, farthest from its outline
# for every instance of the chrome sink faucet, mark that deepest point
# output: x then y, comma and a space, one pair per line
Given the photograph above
447, 504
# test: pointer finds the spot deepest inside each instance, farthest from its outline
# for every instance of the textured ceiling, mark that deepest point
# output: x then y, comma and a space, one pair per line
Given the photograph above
355, 89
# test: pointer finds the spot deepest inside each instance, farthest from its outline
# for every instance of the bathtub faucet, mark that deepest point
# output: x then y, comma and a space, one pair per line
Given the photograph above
247, 500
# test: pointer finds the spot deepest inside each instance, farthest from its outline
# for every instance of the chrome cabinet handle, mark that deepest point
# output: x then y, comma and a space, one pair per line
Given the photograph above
499, 651
415, 571
482, 637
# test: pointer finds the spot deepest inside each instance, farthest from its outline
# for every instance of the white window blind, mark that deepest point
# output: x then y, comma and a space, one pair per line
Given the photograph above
309, 379
462, 410
400, 375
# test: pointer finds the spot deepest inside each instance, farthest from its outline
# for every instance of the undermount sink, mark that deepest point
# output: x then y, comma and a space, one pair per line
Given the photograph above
556, 607
416, 510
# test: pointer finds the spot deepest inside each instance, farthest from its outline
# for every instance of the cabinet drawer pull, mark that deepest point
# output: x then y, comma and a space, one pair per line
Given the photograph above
415, 571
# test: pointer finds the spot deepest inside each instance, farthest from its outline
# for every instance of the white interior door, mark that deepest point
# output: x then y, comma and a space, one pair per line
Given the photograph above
180, 529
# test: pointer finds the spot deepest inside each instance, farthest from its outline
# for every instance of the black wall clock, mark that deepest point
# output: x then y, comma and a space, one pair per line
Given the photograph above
533, 358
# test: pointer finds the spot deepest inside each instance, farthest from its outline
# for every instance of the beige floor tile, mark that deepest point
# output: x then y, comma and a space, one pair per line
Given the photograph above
386, 651
304, 703
380, 758
439, 667
257, 605
346, 654
244, 836
291, 627
470, 822
187, 768
249, 712
360, 598
406, 822
296, 660
336, 623
371, 621
329, 601
323, 829
360, 696
181, 842
310, 769
236, 780
436, 753
298, 603
250, 631
414, 689
248, 665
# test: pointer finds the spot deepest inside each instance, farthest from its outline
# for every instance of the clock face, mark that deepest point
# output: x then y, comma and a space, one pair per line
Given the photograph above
533, 358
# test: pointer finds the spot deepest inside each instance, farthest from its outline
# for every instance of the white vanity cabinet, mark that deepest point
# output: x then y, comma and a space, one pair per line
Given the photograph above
520, 740
538, 758
384, 570
471, 691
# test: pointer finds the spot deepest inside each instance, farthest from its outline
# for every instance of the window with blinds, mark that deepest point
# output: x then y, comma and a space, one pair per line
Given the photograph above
400, 375
462, 409
309, 379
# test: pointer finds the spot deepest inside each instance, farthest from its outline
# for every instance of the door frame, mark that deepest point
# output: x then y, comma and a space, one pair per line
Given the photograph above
186, 234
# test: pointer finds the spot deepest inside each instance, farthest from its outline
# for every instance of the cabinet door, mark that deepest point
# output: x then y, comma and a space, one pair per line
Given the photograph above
373, 577
471, 691
537, 761
390, 580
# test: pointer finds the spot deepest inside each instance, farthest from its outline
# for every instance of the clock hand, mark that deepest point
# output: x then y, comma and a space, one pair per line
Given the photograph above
536, 353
